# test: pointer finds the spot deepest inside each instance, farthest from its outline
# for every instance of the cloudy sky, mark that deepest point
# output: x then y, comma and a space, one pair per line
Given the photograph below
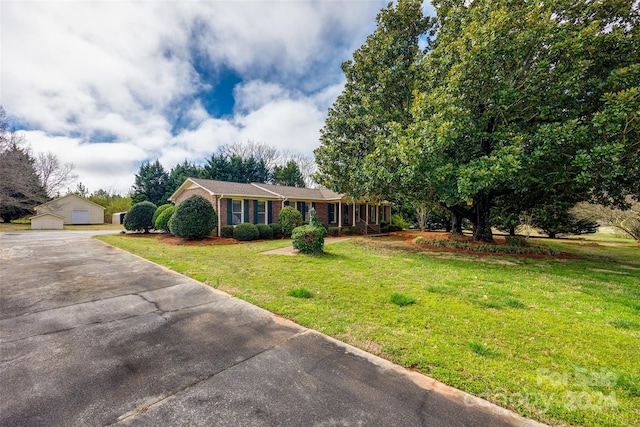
108, 85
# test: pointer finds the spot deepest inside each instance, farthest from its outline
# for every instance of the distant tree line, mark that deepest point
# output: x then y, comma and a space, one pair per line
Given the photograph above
239, 162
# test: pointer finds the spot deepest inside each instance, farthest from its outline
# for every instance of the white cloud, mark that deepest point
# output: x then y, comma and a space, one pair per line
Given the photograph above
101, 84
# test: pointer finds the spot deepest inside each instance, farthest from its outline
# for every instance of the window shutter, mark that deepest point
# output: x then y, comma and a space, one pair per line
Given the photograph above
229, 212
332, 208
303, 210
255, 211
246, 210
269, 211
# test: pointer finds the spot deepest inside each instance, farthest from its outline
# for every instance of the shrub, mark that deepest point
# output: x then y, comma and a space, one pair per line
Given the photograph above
516, 241
194, 218
265, 231
402, 300
299, 293
289, 218
158, 211
309, 239
226, 231
333, 231
245, 232
351, 230
277, 229
162, 220
397, 223
139, 217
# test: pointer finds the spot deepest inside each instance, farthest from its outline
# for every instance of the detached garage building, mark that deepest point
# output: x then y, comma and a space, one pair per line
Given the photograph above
47, 221
73, 209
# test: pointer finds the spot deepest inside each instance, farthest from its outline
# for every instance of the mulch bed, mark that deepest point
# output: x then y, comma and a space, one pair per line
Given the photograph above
408, 236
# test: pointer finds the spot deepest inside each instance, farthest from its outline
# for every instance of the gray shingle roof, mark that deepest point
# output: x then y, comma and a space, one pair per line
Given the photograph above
300, 193
232, 188
264, 191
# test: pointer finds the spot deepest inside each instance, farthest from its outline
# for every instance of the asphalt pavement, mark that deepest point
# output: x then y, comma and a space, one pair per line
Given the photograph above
91, 336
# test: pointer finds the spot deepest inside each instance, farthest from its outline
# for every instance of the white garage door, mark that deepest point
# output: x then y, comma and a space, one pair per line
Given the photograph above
80, 217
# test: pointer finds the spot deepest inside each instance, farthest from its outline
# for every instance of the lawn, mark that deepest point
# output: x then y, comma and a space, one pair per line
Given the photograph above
554, 339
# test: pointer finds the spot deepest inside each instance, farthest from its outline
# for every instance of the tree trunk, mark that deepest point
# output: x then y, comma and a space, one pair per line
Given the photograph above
482, 226
456, 223
512, 230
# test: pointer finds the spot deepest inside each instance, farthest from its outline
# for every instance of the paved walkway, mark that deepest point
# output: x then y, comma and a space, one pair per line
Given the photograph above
93, 336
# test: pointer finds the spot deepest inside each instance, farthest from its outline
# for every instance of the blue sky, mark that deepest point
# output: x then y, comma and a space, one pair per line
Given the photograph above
107, 85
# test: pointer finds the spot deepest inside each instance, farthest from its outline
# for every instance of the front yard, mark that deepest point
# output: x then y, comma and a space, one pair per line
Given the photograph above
553, 339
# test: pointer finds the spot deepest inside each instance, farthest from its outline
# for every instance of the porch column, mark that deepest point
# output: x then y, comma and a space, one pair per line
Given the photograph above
366, 213
340, 214
354, 215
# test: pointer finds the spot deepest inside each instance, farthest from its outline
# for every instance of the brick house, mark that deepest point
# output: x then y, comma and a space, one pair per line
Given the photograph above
259, 203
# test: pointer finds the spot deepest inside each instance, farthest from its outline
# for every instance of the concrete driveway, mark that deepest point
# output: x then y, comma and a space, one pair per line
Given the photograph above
92, 336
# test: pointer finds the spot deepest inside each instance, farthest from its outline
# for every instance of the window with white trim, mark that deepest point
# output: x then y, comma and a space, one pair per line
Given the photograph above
236, 211
262, 212
333, 213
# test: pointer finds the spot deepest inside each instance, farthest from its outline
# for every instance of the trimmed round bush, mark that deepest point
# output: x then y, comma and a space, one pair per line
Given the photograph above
140, 217
265, 231
194, 218
289, 218
158, 211
277, 229
246, 232
308, 239
162, 220
226, 231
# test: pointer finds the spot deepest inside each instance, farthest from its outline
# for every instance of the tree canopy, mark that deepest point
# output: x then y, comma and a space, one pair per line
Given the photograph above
513, 100
381, 80
151, 184
288, 174
20, 187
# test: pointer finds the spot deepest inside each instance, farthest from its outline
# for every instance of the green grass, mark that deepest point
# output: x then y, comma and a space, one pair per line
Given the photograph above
401, 300
482, 349
553, 339
300, 293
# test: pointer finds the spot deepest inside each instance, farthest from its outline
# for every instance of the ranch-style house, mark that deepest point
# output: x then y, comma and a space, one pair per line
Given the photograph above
259, 203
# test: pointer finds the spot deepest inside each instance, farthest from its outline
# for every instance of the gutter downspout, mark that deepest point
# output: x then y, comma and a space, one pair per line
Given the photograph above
219, 217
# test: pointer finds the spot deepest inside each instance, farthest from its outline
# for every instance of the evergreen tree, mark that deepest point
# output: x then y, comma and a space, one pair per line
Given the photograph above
20, 186
288, 175
179, 173
151, 184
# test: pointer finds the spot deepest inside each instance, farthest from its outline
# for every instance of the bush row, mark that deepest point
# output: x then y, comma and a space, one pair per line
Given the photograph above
505, 249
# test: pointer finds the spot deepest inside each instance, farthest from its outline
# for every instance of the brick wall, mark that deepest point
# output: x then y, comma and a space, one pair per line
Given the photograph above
276, 207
